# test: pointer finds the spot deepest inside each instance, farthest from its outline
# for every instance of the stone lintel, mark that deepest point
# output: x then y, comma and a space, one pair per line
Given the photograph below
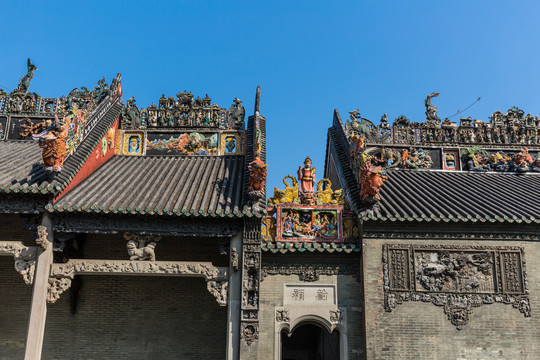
61, 274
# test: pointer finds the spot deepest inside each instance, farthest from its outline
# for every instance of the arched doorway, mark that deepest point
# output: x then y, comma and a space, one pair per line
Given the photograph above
310, 342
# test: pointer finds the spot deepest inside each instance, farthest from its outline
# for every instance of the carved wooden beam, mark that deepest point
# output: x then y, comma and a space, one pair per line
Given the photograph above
61, 274
25, 258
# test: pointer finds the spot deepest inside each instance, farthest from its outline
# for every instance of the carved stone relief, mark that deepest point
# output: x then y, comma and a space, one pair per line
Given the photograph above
457, 278
141, 247
219, 290
41, 239
282, 315
62, 274
25, 258
251, 268
309, 273
249, 333
234, 259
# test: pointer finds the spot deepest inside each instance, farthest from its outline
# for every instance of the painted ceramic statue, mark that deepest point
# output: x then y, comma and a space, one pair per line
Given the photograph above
307, 178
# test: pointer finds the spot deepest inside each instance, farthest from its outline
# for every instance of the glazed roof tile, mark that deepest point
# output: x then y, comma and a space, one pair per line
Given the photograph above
456, 196
161, 185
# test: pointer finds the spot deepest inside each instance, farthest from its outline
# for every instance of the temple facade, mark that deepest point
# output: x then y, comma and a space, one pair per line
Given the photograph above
147, 233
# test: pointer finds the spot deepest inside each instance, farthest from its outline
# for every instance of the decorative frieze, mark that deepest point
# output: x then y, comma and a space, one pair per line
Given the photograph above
309, 273
250, 332
25, 258
456, 277
216, 277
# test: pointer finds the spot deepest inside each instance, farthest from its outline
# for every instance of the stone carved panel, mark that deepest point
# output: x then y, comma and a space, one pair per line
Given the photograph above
309, 273
62, 274
250, 333
309, 294
251, 269
457, 278
25, 258
282, 315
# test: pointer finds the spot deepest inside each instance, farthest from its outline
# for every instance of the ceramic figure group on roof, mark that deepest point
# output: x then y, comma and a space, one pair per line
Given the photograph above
504, 129
306, 210
478, 159
184, 111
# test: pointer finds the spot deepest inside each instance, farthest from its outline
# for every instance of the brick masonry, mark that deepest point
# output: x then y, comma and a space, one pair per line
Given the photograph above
15, 295
417, 330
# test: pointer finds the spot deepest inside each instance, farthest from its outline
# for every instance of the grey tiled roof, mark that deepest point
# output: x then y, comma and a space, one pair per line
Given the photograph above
182, 186
21, 168
456, 196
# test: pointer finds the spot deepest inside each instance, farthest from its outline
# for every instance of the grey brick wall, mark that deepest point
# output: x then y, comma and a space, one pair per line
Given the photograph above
15, 295
417, 330
135, 317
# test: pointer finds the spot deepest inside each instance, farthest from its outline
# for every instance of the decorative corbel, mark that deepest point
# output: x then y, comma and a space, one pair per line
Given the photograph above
56, 287
41, 239
219, 290
25, 258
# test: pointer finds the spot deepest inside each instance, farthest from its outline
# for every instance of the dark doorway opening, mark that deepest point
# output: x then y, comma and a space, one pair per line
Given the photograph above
310, 342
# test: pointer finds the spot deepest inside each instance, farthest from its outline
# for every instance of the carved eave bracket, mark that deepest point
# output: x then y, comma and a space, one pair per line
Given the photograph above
25, 258
61, 274
457, 278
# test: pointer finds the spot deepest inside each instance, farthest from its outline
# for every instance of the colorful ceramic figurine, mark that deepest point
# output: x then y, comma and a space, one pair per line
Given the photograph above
52, 141
307, 178
257, 178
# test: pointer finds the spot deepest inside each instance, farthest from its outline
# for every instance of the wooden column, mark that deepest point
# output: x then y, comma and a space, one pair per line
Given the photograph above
38, 308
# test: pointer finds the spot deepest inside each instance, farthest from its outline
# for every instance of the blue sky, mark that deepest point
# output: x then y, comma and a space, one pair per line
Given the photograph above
309, 58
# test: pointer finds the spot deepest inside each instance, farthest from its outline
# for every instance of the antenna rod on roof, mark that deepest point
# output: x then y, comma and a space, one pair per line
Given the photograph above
467, 108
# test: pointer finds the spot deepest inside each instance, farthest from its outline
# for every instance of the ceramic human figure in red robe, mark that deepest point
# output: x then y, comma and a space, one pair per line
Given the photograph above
307, 179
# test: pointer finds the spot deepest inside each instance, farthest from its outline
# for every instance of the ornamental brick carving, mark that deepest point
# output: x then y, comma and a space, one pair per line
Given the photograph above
41, 239
282, 315
457, 278
250, 333
309, 273
219, 290
56, 287
25, 258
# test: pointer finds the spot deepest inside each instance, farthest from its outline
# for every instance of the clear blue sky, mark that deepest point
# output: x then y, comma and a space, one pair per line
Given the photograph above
309, 58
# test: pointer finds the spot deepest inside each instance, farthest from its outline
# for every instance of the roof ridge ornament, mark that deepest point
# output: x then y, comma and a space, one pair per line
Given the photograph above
24, 83
185, 111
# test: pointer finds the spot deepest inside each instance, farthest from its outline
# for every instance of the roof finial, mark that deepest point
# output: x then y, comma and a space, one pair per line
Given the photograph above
258, 100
